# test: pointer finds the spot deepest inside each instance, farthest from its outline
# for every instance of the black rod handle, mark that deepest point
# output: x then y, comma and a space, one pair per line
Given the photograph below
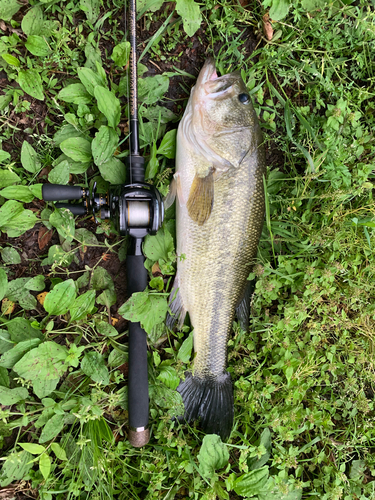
138, 401
75, 209
60, 192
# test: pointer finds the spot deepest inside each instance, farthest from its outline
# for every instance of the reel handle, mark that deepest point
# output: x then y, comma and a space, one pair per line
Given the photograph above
138, 400
75, 209
60, 192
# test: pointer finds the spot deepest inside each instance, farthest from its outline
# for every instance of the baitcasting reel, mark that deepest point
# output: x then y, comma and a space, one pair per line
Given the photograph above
136, 209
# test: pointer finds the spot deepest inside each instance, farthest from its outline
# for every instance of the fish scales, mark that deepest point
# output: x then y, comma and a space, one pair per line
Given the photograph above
219, 152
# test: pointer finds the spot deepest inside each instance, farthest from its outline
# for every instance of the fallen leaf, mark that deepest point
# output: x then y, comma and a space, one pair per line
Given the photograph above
44, 237
7, 306
156, 269
267, 27
41, 297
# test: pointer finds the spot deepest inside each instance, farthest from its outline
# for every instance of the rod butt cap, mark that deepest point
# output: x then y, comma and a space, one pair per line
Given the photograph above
139, 438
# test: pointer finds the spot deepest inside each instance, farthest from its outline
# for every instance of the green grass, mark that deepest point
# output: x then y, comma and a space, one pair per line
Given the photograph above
304, 374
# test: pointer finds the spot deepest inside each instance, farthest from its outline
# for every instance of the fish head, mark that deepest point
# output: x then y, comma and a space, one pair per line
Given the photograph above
223, 116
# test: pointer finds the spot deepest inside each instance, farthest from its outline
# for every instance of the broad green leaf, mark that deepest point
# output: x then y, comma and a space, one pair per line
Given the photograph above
61, 298
82, 306
43, 388
15, 468
104, 144
11, 357
75, 93
34, 449
77, 148
168, 375
37, 45
90, 79
106, 329
265, 440
4, 377
20, 223
45, 465
158, 114
252, 483
4, 101
117, 358
213, 455
60, 174
3, 282
152, 5
20, 193
30, 82
168, 145
8, 178
58, 451
109, 105
13, 61
57, 255
152, 88
9, 211
153, 165
91, 8
36, 284
121, 53
45, 362
32, 22
10, 397
93, 366
148, 308
184, 352
63, 220
18, 293
113, 171
52, 428
190, 14
311, 5
10, 256
20, 329
5, 343
101, 279
8, 8
66, 132
279, 9
160, 248
29, 158
157, 283
86, 237
107, 298
282, 491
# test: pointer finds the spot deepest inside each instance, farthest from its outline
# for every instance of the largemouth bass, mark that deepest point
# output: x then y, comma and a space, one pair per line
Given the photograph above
218, 182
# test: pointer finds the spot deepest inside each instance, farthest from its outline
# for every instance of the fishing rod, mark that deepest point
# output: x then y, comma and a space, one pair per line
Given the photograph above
136, 209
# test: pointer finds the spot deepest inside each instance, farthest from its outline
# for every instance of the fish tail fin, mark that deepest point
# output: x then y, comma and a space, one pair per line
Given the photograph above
211, 400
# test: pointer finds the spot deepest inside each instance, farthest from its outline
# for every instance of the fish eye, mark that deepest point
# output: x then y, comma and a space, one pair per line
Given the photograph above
244, 98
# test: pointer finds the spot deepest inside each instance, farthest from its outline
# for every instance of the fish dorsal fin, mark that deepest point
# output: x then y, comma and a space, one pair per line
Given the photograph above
201, 198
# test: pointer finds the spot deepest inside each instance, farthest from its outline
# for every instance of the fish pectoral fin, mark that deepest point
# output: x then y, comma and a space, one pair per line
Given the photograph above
177, 311
175, 190
201, 198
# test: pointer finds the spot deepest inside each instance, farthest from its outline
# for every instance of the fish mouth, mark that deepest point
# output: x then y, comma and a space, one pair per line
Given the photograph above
215, 86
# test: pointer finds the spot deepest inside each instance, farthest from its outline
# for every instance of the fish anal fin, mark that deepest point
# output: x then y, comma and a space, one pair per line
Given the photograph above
243, 307
201, 198
211, 400
176, 307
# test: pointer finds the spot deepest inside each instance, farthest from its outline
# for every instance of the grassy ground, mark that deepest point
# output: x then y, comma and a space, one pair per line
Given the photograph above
304, 374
